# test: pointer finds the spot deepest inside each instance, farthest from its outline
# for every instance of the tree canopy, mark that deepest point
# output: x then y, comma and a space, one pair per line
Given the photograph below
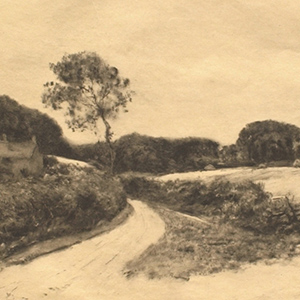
90, 90
265, 141
20, 123
135, 152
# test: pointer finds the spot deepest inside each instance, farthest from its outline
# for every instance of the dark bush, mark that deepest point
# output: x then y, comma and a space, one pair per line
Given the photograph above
20, 123
245, 204
56, 205
49, 161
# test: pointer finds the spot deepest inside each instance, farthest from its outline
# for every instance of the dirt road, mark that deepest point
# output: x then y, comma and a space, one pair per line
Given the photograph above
92, 270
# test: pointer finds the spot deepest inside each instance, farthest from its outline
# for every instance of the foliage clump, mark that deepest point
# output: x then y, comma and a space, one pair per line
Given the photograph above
244, 204
67, 200
268, 141
140, 153
230, 224
20, 123
89, 90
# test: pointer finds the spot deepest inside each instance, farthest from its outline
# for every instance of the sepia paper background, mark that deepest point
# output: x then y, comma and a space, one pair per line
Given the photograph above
198, 68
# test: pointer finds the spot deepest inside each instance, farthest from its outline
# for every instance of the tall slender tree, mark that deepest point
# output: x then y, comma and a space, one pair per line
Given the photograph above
90, 91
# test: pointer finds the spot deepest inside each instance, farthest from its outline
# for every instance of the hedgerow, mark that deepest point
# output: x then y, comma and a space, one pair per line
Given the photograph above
66, 200
244, 204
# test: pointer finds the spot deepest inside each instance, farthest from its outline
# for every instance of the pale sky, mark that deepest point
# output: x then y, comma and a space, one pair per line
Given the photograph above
199, 68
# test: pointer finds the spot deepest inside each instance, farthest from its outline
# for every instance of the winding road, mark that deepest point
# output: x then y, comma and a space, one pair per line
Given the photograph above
92, 270
89, 270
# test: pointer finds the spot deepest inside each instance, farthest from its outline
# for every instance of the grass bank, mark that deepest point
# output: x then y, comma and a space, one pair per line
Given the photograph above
243, 204
245, 225
191, 247
66, 200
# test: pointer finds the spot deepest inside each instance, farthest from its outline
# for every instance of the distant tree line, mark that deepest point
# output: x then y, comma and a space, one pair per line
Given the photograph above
262, 142
161, 155
258, 142
140, 153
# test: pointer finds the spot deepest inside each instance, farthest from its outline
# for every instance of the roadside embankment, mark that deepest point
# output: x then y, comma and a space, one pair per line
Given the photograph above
66, 200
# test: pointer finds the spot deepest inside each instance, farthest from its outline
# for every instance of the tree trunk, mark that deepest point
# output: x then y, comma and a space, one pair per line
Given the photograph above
108, 137
112, 157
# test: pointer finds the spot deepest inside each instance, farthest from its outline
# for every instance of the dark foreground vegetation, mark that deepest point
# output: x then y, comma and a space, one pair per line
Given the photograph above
191, 247
238, 223
66, 200
245, 204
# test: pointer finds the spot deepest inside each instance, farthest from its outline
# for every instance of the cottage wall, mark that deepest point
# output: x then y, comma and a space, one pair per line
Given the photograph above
17, 159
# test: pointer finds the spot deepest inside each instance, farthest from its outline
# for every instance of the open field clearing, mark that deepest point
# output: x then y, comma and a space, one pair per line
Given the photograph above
278, 181
196, 246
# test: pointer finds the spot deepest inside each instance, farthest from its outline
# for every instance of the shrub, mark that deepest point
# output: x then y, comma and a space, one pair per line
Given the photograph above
49, 161
57, 205
245, 204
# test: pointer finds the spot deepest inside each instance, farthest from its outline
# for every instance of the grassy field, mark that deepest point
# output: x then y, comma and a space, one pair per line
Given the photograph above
246, 224
278, 181
191, 247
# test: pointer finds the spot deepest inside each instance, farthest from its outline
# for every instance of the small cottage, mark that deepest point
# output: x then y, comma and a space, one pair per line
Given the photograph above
20, 158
